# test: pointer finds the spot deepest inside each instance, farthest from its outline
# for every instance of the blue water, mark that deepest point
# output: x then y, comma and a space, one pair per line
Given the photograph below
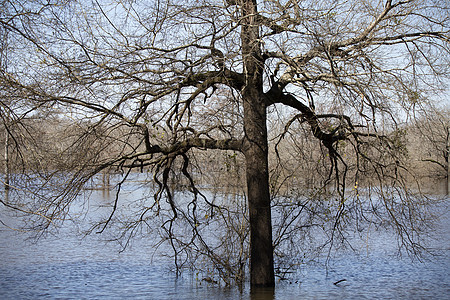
63, 266
121, 279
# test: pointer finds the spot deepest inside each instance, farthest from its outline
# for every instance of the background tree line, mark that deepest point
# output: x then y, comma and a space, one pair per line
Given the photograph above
302, 162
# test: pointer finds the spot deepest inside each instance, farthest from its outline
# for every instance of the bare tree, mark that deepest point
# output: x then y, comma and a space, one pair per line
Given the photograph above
166, 79
429, 141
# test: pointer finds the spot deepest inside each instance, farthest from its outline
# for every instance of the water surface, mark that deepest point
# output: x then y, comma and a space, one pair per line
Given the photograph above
63, 266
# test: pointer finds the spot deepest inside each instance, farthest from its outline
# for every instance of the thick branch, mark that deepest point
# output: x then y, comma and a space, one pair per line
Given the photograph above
275, 95
226, 77
196, 142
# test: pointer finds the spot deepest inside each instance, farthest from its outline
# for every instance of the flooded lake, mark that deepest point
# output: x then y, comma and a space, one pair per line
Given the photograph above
64, 266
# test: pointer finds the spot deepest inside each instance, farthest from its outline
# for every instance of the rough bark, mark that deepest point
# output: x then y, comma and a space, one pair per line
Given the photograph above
6, 162
261, 250
447, 158
256, 153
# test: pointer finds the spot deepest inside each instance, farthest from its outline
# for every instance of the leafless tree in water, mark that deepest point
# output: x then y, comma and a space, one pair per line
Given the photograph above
306, 96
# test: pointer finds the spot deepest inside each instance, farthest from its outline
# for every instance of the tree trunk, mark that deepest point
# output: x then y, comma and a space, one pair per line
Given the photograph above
6, 160
256, 152
448, 160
